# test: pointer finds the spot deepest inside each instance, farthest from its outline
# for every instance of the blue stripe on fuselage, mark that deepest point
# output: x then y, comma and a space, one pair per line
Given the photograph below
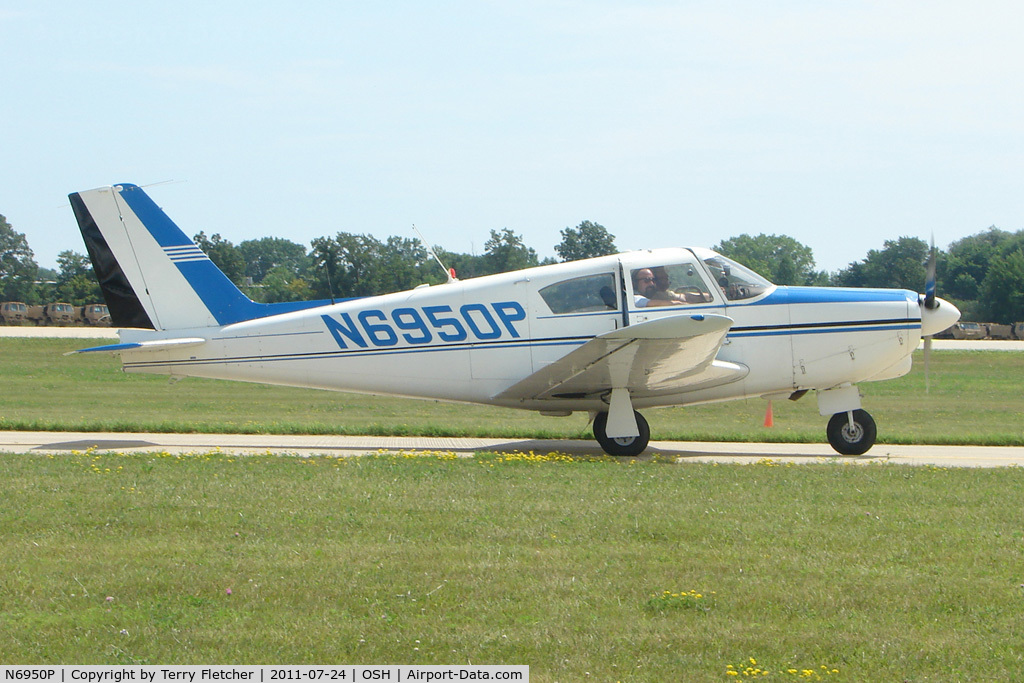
833, 295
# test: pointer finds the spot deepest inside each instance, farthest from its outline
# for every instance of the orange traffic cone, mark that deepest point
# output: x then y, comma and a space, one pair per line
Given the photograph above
769, 418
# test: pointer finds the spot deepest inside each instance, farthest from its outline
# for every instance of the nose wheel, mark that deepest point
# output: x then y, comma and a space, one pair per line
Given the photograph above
851, 433
624, 446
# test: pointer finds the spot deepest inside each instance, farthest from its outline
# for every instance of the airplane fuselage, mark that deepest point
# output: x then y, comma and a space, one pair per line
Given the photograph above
608, 335
471, 340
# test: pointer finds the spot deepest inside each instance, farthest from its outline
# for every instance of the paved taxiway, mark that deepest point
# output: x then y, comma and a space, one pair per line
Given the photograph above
66, 442
682, 451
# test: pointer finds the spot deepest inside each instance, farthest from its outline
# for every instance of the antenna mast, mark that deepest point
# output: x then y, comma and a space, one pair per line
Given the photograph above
449, 272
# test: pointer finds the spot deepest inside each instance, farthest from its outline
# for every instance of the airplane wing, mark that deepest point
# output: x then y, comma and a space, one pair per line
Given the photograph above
665, 356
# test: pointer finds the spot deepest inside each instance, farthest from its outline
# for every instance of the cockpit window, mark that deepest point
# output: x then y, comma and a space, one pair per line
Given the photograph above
737, 282
672, 284
592, 293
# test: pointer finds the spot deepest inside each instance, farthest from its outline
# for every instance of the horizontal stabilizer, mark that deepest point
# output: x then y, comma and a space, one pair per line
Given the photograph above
155, 345
664, 356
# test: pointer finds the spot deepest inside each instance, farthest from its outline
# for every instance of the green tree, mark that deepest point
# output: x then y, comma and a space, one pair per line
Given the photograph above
505, 252
780, 258
325, 255
1002, 291
264, 254
466, 265
967, 261
76, 281
224, 255
347, 265
900, 264
18, 268
281, 284
586, 240
406, 264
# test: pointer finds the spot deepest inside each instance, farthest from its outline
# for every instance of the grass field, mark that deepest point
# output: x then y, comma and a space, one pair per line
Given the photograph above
975, 397
586, 570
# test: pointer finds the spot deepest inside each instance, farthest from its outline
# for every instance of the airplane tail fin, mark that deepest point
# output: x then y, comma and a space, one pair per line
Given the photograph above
152, 275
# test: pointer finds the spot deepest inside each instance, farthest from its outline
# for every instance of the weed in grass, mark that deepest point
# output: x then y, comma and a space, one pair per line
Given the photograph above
686, 600
752, 670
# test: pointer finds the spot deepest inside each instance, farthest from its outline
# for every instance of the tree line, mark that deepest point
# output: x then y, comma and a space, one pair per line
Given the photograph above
983, 274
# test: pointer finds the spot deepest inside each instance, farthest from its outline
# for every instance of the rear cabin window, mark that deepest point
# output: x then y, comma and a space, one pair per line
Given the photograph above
593, 293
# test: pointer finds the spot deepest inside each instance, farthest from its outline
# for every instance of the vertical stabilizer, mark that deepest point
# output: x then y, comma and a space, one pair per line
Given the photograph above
125, 308
151, 273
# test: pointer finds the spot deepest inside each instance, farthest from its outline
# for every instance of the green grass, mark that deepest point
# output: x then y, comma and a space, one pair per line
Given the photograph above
585, 570
976, 397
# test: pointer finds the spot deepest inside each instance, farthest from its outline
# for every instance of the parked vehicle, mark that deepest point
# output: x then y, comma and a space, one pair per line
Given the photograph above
968, 330
52, 314
997, 331
971, 330
92, 314
13, 313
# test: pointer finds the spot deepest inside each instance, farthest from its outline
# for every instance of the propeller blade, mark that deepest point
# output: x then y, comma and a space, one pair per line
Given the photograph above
927, 360
929, 283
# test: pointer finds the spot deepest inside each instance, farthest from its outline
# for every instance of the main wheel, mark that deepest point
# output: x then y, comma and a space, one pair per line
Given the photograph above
851, 439
629, 446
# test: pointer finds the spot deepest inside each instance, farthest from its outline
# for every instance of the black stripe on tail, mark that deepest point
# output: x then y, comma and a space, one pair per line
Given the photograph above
125, 308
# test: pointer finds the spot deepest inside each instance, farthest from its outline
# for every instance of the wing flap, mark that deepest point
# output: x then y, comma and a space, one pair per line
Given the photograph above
664, 356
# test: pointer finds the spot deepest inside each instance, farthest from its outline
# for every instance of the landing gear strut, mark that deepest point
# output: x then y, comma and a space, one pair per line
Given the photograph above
852, 432
625, 446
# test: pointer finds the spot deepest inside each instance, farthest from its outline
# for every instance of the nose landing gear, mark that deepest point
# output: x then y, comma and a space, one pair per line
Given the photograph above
852, 432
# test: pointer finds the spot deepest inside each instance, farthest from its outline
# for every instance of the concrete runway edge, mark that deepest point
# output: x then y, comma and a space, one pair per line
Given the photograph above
346, 446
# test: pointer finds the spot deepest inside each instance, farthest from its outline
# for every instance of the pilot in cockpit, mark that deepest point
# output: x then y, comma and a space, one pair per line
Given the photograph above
653, 287
645, 290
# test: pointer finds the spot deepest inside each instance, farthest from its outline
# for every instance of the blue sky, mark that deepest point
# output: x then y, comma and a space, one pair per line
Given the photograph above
841, 124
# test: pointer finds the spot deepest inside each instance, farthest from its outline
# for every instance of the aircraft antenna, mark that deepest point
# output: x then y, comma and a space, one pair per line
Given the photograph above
449, 272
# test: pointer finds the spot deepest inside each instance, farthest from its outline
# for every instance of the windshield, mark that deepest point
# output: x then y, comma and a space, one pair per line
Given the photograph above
737, 282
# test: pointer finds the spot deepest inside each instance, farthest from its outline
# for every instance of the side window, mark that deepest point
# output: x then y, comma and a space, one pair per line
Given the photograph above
593, 293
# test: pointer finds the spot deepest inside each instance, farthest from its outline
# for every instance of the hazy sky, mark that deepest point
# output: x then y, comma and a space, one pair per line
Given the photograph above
841, 124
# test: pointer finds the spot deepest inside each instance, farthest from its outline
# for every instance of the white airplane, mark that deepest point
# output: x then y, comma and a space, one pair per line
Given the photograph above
608, 335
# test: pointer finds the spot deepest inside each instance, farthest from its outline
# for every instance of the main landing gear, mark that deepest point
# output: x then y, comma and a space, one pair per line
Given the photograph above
622, 446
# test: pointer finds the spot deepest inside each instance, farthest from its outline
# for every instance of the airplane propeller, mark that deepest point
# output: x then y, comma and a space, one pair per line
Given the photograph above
929, 304
929, 283
936, 314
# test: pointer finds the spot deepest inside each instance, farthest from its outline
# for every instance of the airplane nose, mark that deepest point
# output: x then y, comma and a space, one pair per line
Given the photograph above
934, 320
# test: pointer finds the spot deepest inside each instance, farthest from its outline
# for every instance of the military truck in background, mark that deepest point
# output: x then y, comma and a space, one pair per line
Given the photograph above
52, 314
963, 330
999, 331
92, 315
972, 330
13, 313
58, 313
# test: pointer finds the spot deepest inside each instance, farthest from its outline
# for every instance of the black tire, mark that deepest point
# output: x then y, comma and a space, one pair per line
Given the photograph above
622, 447
855, 440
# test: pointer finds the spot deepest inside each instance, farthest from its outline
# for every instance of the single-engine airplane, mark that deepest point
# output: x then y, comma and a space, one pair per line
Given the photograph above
609, 335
